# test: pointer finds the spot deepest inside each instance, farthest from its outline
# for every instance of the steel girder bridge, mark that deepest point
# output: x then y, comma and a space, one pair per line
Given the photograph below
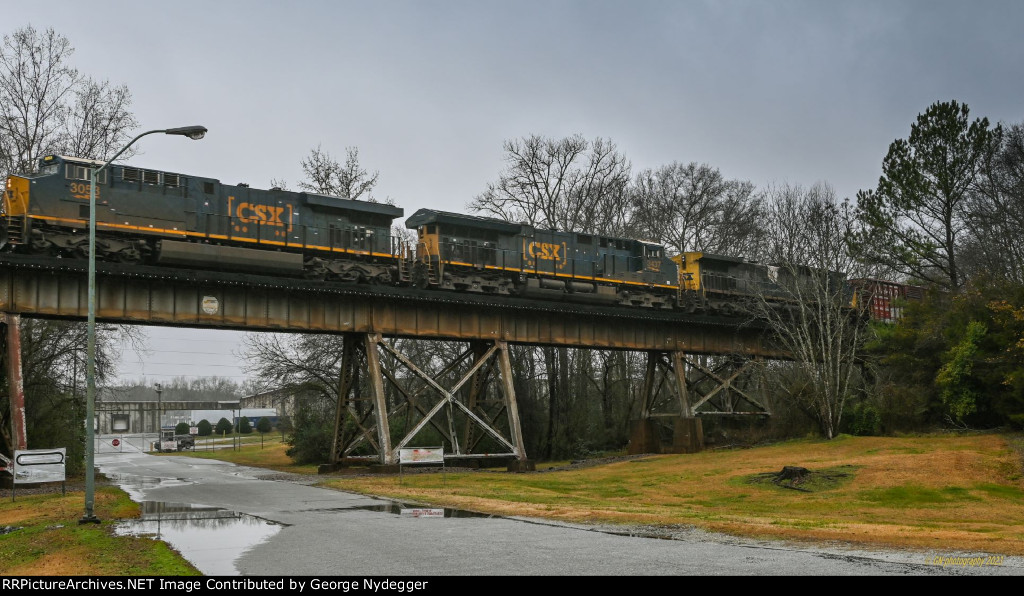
696, 365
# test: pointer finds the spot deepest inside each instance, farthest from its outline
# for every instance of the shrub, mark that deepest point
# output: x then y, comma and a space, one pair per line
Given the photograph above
224, 427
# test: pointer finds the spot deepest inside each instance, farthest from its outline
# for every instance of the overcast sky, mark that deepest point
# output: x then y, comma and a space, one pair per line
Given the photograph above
767, 91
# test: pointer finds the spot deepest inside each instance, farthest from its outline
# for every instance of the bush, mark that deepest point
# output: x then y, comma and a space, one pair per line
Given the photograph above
224, 427
263, 425
182, 428
244, 426
205, 428
864, 420
313, 432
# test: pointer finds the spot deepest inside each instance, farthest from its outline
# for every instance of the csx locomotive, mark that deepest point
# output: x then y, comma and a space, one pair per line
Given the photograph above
165, 218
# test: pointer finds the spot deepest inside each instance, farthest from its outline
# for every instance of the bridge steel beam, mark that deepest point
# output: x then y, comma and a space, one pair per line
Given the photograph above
153, 296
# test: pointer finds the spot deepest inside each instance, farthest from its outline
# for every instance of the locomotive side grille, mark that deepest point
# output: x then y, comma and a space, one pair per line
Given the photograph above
170, 180
150, 177
130, 174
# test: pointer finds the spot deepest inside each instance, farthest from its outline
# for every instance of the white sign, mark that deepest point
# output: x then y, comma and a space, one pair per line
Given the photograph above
421, 455
210, 305
193, 430
168, 445
39, 465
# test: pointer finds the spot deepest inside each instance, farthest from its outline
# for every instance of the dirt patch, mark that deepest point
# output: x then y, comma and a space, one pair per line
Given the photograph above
802, 479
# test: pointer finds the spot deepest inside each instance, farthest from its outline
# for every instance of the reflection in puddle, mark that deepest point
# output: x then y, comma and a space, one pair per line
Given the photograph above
210, 538
417, 511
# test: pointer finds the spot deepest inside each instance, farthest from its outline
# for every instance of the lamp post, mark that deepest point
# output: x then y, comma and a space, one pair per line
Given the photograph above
192, 132
159, 412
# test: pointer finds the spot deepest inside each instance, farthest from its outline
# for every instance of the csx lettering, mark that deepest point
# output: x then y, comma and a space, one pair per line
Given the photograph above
545, 251
248, 213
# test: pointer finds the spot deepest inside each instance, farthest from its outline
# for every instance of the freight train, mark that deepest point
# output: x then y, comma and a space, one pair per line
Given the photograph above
165, 218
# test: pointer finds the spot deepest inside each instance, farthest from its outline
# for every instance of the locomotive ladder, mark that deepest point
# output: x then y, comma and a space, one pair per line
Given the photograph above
16, 229
406, 261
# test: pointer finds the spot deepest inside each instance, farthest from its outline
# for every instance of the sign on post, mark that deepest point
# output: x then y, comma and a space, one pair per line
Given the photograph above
421, 455
39, 465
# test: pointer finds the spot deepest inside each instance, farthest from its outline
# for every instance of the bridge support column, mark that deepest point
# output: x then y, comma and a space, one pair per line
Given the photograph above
17, 436
666, 368
422, 410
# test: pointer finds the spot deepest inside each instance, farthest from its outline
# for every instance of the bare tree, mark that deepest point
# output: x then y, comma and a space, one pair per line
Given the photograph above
329, 177
568, 184
99, 122
47, 106
995, 220
692, 207
573, 185
809, 308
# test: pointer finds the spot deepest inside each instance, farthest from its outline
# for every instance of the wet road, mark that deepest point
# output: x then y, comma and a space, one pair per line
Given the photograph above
231, 520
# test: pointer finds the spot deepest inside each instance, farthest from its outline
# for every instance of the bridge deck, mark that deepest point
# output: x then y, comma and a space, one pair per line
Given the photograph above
57, 288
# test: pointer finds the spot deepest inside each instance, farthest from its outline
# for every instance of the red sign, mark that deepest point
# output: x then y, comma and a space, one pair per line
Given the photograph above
115, 442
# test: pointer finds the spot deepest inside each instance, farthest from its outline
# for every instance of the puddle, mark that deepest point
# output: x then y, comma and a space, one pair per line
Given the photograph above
406, 510
212, 539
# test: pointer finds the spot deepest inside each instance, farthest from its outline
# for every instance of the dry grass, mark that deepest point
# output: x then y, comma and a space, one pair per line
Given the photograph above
949, 492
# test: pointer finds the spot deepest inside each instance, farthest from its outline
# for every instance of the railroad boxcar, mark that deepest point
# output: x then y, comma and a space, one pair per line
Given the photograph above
482, 254
160, 217
883, 300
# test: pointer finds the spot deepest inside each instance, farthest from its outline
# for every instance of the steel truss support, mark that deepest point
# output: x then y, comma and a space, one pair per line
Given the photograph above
681, 388
16, 437
375, 421
727, 386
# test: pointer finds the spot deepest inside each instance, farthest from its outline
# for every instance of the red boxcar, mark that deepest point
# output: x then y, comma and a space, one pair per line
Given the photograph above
884, 298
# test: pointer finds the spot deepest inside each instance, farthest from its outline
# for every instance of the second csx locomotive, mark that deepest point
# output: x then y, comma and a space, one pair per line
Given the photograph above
165, 218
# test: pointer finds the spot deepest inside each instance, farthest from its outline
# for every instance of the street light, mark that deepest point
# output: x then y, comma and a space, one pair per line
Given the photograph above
192, 132
159, 412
